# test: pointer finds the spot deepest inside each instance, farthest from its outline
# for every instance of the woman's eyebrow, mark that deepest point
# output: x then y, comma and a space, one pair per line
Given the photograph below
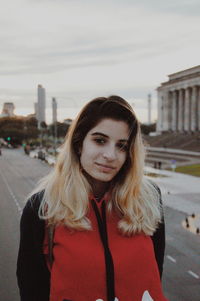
99, 134
106, 136
123, 140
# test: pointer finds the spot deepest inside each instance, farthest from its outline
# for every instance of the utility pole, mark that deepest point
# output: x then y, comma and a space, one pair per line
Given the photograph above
54, 110
149, 109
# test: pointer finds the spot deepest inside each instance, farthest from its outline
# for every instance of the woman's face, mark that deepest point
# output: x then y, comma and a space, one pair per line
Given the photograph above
104, 149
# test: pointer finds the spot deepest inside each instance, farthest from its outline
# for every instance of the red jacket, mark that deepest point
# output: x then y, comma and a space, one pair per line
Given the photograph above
33, 276
102, 264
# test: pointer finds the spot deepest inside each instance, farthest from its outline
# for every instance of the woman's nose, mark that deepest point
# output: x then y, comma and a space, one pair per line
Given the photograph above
110, 153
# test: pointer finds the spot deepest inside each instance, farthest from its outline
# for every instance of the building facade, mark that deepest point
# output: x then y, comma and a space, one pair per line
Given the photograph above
8, 109
179, 102
41, 104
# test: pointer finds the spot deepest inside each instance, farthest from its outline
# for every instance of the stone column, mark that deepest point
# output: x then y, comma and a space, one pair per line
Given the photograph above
194, 109
174, 111
165, 110
159, 124
180, 110
187, 110
170, 110
198, 108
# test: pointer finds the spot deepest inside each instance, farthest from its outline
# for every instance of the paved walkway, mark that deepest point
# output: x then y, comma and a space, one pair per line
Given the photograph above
180, 192
174, 182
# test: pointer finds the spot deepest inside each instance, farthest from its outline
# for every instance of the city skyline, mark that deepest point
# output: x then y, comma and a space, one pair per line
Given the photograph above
79, 51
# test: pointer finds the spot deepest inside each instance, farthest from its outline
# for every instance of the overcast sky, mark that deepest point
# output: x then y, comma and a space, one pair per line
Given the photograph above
79, 50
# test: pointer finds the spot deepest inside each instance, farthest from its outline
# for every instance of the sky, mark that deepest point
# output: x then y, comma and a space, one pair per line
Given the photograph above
78, 50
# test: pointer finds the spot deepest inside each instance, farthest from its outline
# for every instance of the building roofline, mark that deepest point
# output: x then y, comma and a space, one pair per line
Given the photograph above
180, 72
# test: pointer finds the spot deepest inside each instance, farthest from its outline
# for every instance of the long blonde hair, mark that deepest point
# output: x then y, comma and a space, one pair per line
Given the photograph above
66, 189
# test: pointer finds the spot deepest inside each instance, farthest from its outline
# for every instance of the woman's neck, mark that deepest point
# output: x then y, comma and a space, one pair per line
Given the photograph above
99, 188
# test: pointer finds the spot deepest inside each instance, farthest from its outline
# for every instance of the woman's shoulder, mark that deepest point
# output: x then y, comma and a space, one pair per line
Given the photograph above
34, 201
156, 187
152, 185
30, 220
156, 192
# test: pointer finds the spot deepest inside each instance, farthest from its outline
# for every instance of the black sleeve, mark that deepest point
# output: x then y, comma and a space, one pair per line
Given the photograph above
158, 239
32, 273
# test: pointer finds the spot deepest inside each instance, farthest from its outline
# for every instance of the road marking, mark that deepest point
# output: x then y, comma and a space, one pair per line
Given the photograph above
171, 258
12, 194
193, 274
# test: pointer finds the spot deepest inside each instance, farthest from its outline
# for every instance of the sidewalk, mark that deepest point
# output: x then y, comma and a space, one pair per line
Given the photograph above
174, 182
180, 192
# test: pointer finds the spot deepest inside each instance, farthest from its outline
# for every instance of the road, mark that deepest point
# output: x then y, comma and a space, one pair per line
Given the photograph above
181, 278
18, 176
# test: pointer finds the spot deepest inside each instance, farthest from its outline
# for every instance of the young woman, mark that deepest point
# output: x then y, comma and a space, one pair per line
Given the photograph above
108, 242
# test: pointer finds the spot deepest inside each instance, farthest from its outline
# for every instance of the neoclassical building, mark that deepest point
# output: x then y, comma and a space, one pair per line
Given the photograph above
179, 102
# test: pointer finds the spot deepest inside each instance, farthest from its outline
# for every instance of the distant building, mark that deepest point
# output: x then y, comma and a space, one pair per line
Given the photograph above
54, 109
41, 104
179, 102
8, 109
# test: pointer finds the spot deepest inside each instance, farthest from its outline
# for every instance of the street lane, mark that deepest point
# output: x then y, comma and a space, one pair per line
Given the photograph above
182, 256
18, 176
9, 237
22, 172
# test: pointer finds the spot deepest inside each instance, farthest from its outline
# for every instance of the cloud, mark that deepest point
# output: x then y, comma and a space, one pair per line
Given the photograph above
78, 50
175, 7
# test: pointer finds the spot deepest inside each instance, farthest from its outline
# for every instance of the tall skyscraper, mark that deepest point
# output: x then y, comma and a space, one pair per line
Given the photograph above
40, 113
54, 109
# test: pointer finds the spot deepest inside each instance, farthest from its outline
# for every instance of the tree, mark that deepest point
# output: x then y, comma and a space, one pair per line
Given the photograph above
62, 129
18, 129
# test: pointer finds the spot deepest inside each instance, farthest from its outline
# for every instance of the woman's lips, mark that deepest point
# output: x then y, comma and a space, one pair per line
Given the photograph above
105, 167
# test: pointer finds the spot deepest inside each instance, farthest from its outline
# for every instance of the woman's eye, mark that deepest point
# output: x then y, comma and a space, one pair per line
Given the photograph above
123, 147
99, 140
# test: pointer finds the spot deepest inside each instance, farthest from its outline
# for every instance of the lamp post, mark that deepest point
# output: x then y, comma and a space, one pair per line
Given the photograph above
149, 109
54, 110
